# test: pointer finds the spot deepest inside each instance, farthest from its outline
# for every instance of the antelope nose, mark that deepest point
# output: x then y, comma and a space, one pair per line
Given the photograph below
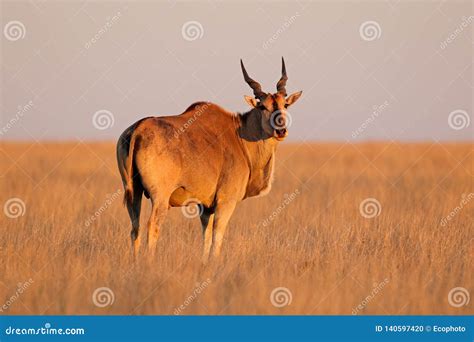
281, 132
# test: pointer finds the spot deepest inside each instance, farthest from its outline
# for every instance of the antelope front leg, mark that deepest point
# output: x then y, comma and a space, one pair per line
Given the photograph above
221, 218
207, 221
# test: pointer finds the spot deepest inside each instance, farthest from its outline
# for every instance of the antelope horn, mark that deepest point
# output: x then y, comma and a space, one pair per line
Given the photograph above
257, 88
281, 85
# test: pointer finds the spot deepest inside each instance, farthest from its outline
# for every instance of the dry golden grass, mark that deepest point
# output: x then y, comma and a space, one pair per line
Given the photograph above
318, 246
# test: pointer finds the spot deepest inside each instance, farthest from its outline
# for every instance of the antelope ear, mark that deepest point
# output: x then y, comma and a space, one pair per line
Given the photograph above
252, 101
293, 98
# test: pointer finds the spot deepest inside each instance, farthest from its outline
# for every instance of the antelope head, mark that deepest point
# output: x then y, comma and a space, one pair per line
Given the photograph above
272, 107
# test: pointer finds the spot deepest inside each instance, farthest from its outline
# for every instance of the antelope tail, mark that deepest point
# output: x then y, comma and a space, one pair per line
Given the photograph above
128, 196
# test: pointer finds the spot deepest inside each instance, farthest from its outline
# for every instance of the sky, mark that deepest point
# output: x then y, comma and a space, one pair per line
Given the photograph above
369, 70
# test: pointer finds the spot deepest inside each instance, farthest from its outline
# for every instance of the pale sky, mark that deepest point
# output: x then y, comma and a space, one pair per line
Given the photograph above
409, 61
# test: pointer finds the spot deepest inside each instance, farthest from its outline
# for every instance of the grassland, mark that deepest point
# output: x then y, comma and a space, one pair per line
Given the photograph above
308, 235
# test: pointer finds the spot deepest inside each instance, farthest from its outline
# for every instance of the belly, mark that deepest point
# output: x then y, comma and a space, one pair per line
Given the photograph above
182, 196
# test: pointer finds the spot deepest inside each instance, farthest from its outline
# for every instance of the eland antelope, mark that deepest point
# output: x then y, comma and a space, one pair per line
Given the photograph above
206, 155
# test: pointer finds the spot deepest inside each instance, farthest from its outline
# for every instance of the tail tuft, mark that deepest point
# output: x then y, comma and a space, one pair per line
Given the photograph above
128, 197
